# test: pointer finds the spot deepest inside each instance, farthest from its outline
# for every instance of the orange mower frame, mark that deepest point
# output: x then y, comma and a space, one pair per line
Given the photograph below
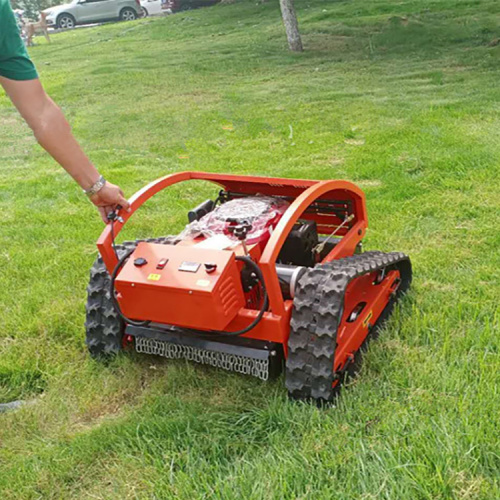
366, 298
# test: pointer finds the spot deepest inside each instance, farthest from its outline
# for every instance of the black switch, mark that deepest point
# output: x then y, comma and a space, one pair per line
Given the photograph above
210, 267
140, 261
162, 264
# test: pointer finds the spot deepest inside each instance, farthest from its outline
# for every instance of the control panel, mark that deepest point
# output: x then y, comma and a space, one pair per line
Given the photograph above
195, 287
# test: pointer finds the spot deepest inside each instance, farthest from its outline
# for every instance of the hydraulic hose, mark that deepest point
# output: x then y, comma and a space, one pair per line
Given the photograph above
114, 300
265, 302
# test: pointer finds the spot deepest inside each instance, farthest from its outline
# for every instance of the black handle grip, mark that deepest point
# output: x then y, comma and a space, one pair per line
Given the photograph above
202, 209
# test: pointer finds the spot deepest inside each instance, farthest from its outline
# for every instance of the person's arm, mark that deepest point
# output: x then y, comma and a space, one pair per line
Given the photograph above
54, 134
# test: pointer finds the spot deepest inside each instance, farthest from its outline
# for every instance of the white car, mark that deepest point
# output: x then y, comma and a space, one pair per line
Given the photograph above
92, 11
151, 7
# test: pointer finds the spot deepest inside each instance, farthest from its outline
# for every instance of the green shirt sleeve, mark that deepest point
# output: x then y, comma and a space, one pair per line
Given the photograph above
14, 60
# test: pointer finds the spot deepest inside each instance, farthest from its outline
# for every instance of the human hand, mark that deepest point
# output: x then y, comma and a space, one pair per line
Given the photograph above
107, 199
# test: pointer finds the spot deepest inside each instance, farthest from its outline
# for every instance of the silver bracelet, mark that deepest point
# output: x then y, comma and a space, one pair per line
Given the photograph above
95, 188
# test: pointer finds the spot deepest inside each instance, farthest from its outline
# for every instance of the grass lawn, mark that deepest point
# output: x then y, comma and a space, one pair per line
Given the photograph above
402, 98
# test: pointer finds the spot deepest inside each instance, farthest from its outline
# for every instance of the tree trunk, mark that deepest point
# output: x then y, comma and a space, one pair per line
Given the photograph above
291, 25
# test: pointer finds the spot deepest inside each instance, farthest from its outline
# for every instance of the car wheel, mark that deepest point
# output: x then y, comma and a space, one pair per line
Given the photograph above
128, 15
145, 13
66, 22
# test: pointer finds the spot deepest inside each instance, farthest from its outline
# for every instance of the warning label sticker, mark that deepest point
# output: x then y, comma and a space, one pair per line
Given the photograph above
368, 318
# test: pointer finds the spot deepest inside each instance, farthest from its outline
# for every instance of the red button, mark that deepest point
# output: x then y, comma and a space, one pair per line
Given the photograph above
162, 264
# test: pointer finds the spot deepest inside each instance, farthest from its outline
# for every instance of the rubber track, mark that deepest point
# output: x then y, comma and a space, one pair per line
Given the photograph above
103, 326
318, 308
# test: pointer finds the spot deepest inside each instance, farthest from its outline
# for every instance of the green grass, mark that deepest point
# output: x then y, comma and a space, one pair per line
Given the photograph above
400, 97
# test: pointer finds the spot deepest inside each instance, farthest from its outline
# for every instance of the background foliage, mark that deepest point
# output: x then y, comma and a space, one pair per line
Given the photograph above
32, 8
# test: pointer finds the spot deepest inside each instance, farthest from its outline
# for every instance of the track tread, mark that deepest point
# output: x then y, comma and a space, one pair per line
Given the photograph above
103, 327
318, 309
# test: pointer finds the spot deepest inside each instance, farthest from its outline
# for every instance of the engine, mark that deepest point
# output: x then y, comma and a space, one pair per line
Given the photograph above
261, 214
203, 278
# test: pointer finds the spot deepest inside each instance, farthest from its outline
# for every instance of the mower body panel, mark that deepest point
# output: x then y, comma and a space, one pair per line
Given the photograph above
173, 286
